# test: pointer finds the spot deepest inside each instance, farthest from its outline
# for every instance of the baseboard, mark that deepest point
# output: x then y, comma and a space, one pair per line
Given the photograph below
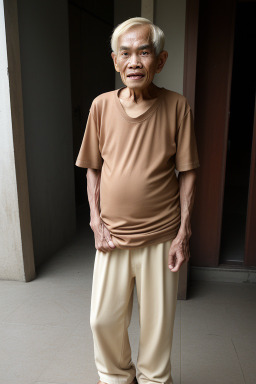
225, 274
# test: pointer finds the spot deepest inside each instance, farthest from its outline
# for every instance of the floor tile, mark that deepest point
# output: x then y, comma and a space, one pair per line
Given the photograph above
26, 351
209, 359
74, 362
245, 348
52, 306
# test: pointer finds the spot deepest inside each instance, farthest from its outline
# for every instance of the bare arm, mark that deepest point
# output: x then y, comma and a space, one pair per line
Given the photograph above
102, 236
179, 250
93, 192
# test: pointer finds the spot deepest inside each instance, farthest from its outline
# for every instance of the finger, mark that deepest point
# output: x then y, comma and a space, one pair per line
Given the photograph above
108, 238
171, 259
107, 245
100, 248
100, 233
110, 242
177, 265
180, 258
104, 246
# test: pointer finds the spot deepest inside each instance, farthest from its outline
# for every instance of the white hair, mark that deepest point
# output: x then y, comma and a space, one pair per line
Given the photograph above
157, 35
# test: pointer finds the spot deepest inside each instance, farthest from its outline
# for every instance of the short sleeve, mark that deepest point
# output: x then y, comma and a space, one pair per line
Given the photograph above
89, 155
186, 156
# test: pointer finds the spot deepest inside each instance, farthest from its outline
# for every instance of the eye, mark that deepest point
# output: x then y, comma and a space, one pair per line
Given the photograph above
145, 53
124, 53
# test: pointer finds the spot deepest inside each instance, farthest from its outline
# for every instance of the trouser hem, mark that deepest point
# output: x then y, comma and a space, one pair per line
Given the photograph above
104, 378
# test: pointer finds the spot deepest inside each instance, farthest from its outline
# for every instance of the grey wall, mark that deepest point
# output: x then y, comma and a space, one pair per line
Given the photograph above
11, 253
170, 16
44, 45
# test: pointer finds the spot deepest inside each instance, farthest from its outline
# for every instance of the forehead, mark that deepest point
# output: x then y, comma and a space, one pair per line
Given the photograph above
135, 36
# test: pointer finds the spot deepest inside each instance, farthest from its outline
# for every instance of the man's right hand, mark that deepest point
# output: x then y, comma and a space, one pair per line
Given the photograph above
103, 241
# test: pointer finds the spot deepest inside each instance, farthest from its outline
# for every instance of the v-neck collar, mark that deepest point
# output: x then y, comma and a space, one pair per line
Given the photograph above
144, 115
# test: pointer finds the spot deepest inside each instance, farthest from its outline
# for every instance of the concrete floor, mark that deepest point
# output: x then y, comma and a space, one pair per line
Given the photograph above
45, 336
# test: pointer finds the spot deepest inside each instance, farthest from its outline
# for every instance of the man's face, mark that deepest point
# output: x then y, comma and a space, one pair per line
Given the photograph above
136, 60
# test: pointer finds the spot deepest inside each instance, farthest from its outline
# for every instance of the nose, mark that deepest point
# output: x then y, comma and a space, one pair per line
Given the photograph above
135, 62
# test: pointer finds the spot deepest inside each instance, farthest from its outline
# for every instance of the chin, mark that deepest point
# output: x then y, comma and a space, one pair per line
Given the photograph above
135, 84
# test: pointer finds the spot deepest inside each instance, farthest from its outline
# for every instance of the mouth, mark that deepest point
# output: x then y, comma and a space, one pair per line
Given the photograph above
135, 76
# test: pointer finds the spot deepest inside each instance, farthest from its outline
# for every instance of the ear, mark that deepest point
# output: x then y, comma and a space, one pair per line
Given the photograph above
114, 57
161, 60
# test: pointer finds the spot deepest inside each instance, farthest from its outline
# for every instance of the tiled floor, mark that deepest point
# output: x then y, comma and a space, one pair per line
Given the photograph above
45, 336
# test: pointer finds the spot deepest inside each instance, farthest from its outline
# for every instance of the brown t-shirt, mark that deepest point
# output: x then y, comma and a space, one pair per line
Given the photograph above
139, 190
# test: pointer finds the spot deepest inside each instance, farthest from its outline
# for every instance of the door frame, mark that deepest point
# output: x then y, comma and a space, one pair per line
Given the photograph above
250, 241
189, 87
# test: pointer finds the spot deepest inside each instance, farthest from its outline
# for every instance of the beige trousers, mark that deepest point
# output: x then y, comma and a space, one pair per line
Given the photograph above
114, 277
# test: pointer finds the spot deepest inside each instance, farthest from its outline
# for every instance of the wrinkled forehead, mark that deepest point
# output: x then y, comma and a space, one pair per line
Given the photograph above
135, 36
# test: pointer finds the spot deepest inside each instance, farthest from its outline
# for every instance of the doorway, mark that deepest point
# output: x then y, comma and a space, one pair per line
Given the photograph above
240, 134
224, 216
92, 73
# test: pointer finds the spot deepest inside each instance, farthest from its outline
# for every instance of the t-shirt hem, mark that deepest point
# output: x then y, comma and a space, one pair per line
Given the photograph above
162, 239
187, 167
85, 164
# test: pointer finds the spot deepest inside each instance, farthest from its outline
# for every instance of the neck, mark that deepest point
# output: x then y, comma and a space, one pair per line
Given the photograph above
137, 95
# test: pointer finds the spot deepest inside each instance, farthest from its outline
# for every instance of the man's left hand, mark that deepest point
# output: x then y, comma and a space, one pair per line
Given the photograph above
179, 252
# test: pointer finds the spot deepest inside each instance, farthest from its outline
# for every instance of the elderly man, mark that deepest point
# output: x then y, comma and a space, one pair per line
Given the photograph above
134, 140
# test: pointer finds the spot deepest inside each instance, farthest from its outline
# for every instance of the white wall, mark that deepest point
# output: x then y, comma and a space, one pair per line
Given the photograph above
170, 16
11, 258
45, 70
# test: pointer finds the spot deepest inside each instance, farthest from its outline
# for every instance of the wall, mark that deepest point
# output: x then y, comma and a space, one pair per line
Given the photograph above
44, 45
170, 16
15, 235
